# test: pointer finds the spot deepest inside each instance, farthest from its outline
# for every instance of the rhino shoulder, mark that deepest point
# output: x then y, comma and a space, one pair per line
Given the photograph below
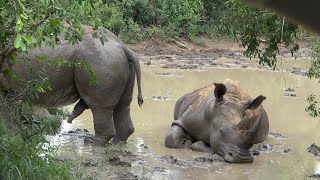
196, 99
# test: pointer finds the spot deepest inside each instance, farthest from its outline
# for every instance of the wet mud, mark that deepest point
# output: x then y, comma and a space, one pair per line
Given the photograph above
314, 149
290, 92
277, 135
220, 54
121, 159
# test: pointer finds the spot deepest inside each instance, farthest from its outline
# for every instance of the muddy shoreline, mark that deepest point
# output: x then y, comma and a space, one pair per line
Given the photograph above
214, 54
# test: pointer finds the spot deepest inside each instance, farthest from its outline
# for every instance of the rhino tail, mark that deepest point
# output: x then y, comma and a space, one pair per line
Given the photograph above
133, 58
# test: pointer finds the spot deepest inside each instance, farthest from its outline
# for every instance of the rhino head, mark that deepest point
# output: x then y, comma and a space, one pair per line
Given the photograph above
234, 131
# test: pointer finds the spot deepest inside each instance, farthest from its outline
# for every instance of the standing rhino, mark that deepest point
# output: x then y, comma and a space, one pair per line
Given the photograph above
219, 118
109, 97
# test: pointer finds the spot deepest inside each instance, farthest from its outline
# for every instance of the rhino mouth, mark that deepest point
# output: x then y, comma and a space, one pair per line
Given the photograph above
235, 154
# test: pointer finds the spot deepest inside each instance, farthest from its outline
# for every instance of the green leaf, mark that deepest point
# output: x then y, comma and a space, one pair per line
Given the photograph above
28, 39
8, 74
24, 16
21, 4
17, 42
3, 14
40, 89
19, 24
54, 22
19, 21
23, 46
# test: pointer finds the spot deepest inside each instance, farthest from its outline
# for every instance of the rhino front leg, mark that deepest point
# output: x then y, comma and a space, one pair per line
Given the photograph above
177, 138
78, 110
201, 147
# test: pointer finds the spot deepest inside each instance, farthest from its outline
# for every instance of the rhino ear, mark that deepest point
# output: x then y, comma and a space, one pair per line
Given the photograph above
253, 104
219, 91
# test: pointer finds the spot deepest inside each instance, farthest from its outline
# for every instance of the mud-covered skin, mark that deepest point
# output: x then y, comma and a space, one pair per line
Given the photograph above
78, 110
223, 117
302, 12
109, 97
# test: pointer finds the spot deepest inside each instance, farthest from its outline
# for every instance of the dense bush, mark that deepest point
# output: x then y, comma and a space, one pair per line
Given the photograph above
132, 19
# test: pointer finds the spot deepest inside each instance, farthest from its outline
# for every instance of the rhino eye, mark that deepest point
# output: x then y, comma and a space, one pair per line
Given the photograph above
221, 132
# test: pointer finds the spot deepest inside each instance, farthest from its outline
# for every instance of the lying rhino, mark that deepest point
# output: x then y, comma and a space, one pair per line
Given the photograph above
219, 118
109, 97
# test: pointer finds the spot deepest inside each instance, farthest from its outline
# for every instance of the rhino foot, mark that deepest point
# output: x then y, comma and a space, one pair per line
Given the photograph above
96, 141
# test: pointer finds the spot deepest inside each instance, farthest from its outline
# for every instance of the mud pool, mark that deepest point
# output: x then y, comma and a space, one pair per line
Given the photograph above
162, 87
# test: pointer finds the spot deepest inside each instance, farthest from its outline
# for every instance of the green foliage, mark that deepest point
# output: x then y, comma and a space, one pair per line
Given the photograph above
25, 159
214, 10
24, 152
132, 33
113, 18
314, 72
182, 15
260, 32
154, 32
132, 19
312, 108
28, 24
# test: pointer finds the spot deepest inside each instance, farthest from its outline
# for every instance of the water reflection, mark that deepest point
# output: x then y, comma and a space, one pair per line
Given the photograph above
317, 167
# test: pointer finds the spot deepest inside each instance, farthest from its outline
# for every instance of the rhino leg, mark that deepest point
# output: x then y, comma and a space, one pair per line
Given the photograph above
121, 116
78, 110
201, 147
177, 138
103, 124
102, 98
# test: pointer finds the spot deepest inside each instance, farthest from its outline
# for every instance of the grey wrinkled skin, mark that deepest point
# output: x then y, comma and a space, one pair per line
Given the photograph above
109, 97
304, 12
219, 118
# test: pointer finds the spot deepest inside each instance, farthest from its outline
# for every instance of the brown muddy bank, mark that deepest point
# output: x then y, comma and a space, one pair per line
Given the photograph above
217, 54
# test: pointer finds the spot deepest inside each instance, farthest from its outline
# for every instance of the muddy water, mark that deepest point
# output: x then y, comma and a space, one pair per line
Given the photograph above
161, 88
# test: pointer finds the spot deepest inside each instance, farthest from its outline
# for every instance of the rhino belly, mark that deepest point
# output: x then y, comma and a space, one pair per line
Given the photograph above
61, 79
64, 90
57, 98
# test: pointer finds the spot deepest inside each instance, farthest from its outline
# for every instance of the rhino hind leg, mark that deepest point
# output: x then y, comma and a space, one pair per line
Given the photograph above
103, 125
201, 147
123, 124
101, 98
121, 115
78, 110
177, 138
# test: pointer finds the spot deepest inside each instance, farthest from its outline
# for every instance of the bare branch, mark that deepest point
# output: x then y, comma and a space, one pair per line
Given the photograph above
6, 49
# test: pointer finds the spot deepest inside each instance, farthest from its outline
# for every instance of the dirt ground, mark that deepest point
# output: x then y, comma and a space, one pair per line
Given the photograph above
213, 54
